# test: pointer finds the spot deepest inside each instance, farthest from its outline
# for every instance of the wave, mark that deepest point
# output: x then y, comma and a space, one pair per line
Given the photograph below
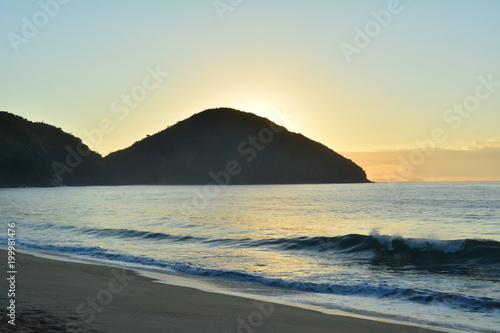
422, 296
465, 256
401, 251
125, 233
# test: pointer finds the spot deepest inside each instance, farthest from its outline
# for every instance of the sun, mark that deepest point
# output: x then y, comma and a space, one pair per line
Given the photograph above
276, 114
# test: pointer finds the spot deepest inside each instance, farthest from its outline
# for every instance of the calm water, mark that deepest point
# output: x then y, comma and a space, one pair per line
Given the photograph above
423, 252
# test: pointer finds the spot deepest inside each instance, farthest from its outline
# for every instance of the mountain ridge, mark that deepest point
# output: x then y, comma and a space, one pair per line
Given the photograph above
32, 152
221, 145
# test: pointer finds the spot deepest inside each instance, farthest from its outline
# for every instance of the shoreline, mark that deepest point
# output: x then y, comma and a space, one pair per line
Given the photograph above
79, 297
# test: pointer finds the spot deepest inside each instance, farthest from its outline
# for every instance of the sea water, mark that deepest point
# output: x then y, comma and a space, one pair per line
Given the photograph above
427, 253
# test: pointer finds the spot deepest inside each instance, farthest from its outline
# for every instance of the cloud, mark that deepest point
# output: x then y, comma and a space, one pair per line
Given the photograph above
487, 143
478, 163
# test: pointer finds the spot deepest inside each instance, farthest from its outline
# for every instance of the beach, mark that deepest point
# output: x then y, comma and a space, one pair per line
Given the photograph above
78, 297
250, 166
311, 247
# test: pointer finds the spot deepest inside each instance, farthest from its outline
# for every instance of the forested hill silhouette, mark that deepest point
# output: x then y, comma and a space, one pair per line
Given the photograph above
222, 146
32, 153
228, 146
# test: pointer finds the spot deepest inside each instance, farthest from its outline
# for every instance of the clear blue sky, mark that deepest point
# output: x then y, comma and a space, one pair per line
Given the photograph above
83, 58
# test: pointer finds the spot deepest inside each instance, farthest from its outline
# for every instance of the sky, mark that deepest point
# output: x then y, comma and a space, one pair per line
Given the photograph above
409, 90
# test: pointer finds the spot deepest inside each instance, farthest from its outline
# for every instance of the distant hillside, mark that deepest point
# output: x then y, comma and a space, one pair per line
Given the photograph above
228, 146
37, 154
223, 146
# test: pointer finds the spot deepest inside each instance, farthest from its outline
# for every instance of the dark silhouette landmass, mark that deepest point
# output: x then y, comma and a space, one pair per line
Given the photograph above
30, 154
220, 146
214, 143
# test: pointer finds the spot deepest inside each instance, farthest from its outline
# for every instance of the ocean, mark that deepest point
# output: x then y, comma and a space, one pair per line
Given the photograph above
425, 253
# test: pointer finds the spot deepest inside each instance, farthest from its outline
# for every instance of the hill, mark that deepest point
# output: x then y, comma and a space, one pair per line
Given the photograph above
228, 146
37, 154
222, 146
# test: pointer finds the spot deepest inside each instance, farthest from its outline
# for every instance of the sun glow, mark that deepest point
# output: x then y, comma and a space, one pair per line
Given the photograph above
278, 115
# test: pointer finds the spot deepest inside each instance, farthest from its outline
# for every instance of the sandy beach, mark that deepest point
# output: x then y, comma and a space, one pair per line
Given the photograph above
61, 296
